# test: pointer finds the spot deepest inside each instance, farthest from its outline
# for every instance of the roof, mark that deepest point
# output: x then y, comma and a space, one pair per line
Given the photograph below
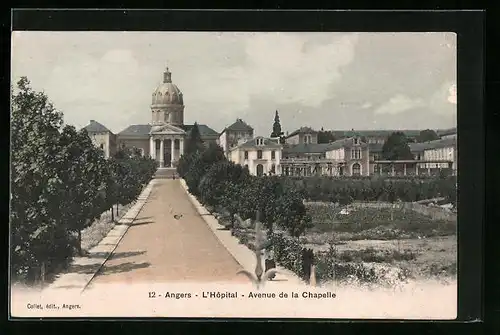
239, 125
253, 143
344, 142
375, 147
302, 130
204, 129
417, 147
96, 127
303, 148
144, 129
442, 143
136, 130
373, 133
446, 132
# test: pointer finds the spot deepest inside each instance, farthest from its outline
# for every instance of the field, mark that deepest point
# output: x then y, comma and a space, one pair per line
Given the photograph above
381, 239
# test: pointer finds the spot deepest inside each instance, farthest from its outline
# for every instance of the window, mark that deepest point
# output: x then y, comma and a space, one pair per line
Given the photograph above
273, 154
273, 169
356, 169
246, 154
102, 146
260, 170
259, 154
356, 141
356, 153
260, 141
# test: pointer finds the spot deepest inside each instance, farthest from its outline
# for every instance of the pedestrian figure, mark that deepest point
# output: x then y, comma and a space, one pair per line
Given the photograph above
269, 261
173, 176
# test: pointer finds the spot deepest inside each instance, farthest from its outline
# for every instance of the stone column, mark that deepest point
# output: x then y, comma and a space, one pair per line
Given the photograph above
181, 147
172, 155
404, 169
162, 158
393, 172
152, 147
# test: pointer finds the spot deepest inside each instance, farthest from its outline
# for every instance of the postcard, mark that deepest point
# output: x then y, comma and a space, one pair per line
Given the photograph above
233, 175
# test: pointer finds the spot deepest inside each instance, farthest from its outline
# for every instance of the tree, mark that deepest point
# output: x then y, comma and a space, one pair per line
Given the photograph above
200, 164
83, 174
396, 147
212, 186
276, 126
37, 227
427, 135
325, 136
194, 142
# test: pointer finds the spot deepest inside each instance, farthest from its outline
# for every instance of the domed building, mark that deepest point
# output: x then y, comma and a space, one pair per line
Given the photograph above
163, 139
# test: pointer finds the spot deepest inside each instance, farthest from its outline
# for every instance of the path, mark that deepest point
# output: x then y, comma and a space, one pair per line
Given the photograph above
160, 248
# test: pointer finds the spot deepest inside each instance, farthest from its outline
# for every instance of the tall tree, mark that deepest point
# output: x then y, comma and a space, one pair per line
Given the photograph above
194, 142
36, 220
84, 175
396, 147
427, 135
276, 126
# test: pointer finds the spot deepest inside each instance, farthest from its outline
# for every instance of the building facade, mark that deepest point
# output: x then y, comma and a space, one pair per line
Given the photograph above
303, 135
162, 139
260, 155
231, 136
102, 138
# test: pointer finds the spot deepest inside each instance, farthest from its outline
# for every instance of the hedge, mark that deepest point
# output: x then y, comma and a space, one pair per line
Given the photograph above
376, 188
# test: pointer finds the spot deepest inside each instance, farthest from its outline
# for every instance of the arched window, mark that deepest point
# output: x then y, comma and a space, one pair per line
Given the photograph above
356, 169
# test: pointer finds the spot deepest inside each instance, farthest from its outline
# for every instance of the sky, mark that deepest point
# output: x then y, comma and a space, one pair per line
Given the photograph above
338, 81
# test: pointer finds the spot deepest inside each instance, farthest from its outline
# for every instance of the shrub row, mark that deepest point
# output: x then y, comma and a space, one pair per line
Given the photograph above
60, 184
376, 188
229, 188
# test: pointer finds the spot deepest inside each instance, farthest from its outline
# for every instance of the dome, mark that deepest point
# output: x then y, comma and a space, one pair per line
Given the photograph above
167, 93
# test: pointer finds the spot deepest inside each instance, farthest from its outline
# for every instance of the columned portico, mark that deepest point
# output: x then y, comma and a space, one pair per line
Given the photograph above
167, 157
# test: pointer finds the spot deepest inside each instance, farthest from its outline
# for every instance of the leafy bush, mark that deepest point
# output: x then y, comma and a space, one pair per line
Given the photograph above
214, 183
288, 253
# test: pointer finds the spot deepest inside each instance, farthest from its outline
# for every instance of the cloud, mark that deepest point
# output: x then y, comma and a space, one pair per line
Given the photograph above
452, 97
398, 104
278, 67
444, 100
366, 105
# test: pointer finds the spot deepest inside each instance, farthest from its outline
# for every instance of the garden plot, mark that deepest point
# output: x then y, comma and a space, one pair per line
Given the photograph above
397, 237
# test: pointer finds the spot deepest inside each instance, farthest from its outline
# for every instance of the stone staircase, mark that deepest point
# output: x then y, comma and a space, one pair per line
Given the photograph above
165, 173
